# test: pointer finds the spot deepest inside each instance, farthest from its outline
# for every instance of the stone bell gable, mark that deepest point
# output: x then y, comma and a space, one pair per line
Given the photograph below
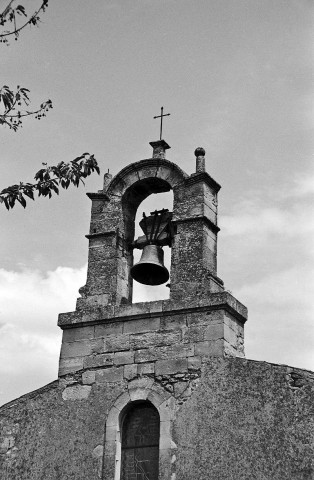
159, 390
200, 318
194, 248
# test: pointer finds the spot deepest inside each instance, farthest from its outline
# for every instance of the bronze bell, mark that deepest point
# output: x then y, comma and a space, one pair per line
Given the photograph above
150, 270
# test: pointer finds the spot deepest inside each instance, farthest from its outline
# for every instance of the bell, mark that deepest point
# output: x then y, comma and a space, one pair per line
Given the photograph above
150, 270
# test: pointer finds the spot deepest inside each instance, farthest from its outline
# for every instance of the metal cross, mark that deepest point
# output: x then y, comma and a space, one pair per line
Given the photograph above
161, 117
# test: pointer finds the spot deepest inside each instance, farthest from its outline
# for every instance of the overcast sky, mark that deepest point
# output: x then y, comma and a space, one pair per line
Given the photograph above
237, 78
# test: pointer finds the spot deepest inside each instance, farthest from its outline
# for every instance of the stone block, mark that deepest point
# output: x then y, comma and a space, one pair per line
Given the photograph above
90, 317
116, 343
69, 318
92, 301
130, 371
173, 322
210, 349
133, 309
158, 395
166, 352
179, 388
141, 383
88, 378
122, 401
123, 358
70, 365
195, 333
146, 355
113, 417
142, 340
146, 368
204, 318
79, 333
164, 367
155, 306
76, 392
168, 338
231, 336
108, 329
138, 394
109, 375
194, 363
214, 332
102, 360
141, 325
98, 451
97, 345
111, 434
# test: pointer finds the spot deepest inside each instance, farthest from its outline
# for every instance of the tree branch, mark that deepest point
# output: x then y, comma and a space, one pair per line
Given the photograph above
49, 179
9, 15
10, 100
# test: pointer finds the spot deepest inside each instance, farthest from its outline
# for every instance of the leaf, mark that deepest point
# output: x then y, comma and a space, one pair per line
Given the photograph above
22, 200
29, 193
21, 10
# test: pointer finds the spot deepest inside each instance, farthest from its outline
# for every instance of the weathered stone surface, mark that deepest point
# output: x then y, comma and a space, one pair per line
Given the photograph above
88, 378
194, 363
252, 413
108, 329
123, 358
103, 360
111, 374
165, 352
141, 325
130, 371
210, 348
173, 322
171, 366
146, 369
116, 343
76, 392
76, 349
80, 333
70, 365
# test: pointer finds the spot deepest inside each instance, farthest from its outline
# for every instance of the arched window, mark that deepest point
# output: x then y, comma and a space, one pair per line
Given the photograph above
140, 442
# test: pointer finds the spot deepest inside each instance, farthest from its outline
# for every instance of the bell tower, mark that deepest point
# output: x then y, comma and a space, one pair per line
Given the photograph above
150, 351
193, 225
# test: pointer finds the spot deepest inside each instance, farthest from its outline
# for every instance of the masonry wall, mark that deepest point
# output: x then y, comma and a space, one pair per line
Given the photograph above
153, 338
236, 419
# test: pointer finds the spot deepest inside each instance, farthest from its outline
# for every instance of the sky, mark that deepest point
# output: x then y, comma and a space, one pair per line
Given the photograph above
237, 78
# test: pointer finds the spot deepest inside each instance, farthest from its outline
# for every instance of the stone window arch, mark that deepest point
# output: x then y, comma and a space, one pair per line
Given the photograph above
164, 405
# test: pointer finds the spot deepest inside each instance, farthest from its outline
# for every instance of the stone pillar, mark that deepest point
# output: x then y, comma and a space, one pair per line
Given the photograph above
194, 249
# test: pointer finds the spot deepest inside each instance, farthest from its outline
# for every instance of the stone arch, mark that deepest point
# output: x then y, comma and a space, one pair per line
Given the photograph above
163, 402
137, 181
151, 168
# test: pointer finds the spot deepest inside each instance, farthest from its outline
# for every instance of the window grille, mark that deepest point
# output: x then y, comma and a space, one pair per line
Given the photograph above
140, 443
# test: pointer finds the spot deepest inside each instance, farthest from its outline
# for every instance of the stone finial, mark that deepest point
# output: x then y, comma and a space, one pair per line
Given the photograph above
107, 180
159, 148
200, 159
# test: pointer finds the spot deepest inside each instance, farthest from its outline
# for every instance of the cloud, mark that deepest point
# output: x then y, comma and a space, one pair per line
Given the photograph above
304, 185
267, 255
277, 226
280, 328
30, 339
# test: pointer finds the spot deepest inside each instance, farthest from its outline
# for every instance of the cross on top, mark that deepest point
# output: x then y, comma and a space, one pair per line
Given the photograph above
161, 117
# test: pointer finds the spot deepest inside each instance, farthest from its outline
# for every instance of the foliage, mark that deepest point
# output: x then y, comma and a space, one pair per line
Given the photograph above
49, 179
11, 115
10, 15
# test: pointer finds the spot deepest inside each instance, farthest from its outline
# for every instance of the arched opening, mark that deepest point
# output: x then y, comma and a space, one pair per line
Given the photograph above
147, 293
140, 442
